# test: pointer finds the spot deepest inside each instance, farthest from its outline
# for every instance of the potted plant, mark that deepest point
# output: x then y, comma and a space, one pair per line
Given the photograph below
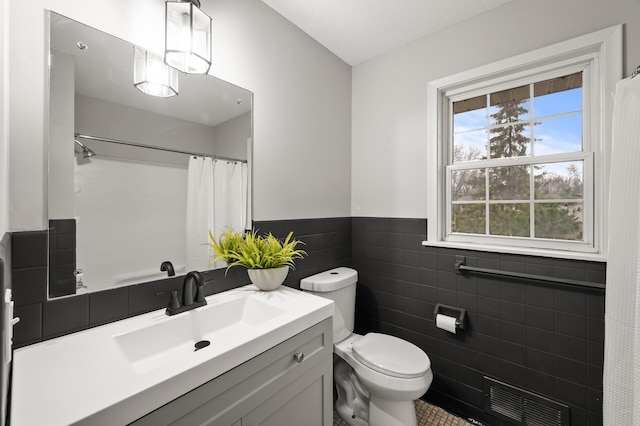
266, 258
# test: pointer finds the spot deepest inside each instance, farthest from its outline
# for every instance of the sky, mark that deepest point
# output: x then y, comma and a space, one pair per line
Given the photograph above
558, 125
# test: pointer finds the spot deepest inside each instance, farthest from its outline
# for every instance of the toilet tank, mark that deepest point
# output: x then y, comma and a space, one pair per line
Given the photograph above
339, 285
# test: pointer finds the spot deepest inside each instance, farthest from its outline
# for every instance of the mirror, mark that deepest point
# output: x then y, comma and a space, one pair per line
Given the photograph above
120, 160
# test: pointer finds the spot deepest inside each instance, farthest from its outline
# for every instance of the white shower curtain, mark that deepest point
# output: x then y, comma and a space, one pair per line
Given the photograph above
216, 200
621, 402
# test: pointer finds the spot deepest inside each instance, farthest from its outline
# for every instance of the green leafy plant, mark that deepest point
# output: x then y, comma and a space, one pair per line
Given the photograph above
255, 251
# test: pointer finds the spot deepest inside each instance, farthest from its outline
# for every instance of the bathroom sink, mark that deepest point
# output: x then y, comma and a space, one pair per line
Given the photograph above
171, 339
146, 361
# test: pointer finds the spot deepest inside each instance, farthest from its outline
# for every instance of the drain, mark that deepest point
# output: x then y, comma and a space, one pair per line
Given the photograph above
202, 344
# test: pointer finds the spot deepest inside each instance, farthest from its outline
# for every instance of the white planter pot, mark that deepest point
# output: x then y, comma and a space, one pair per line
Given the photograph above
268, 279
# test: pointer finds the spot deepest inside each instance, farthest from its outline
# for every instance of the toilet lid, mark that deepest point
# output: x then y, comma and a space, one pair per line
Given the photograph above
391, 356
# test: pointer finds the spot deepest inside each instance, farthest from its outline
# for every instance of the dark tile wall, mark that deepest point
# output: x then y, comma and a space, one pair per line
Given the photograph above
62, 257
546, 339
543, 338
29, 284
326, 240
5, 278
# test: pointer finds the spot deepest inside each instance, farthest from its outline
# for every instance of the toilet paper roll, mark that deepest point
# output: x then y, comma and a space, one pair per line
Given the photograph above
446, 322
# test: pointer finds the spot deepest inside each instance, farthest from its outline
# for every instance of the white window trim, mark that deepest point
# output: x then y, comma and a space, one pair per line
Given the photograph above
602, 51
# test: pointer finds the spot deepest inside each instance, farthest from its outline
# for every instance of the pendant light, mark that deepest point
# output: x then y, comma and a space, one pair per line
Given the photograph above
187, 37
152, 76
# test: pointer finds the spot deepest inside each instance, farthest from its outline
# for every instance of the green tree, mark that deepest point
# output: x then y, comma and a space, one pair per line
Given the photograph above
558, 221
511, 182
469, 219
506, 141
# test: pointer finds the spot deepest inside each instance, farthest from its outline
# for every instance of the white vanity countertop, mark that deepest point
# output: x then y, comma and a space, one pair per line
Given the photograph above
86, 377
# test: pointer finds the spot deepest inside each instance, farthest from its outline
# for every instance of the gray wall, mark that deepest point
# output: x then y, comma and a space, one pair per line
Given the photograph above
136, 125
61, 141
230, 137
302, 101
548, 340
4, 120
5, 277
389, 140
302, 104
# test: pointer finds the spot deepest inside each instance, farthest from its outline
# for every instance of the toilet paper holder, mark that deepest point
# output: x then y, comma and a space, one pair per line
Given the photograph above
458, 313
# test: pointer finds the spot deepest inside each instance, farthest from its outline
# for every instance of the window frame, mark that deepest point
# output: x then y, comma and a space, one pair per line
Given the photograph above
599, 56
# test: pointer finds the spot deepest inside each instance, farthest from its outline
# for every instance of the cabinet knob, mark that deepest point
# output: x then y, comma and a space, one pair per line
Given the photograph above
299, 357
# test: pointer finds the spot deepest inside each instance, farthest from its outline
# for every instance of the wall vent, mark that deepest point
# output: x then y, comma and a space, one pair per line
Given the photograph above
522, 407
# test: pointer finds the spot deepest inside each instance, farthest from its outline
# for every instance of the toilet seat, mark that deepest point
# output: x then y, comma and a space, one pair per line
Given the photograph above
391, 356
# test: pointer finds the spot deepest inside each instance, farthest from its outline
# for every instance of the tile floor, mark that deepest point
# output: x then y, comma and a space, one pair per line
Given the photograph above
427, 414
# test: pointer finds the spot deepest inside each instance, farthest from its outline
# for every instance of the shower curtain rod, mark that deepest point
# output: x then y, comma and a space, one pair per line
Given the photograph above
141, 145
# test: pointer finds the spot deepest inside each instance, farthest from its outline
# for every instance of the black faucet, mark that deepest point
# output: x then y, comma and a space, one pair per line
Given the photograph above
193, 277
168, 267
188, 300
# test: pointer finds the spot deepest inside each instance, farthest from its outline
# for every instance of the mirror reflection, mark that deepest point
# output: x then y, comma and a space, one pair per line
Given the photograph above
136, 181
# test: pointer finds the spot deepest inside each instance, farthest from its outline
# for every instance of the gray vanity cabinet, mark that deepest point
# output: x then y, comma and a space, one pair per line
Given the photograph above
278, 387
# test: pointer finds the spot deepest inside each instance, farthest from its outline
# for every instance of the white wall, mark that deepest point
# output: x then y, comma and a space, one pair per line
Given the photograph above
302, 101
389, 139
4, 177
4, 116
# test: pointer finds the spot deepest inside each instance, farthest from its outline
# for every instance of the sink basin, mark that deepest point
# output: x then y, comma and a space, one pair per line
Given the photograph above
143, 362
171, 339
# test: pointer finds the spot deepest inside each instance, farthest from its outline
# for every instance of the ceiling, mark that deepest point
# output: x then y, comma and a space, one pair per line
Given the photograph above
104, 70
358, 30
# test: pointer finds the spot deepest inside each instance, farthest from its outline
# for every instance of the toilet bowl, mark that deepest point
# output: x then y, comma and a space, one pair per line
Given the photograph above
394, 372
377, 376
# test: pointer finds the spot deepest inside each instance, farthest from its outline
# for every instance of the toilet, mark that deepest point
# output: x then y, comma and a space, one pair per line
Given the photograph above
377, 376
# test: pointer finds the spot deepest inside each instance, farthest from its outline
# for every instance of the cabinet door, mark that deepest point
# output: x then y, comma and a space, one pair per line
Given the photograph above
307, 401
229, 397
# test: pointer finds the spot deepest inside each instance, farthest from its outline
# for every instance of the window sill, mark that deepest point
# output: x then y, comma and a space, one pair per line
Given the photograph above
560, 254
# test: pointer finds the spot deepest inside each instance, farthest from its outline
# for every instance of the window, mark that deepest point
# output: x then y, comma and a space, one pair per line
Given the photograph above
518, 163
518, 151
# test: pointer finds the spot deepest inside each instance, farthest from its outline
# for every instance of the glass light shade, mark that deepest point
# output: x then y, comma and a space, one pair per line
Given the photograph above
187, 38
152, 76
